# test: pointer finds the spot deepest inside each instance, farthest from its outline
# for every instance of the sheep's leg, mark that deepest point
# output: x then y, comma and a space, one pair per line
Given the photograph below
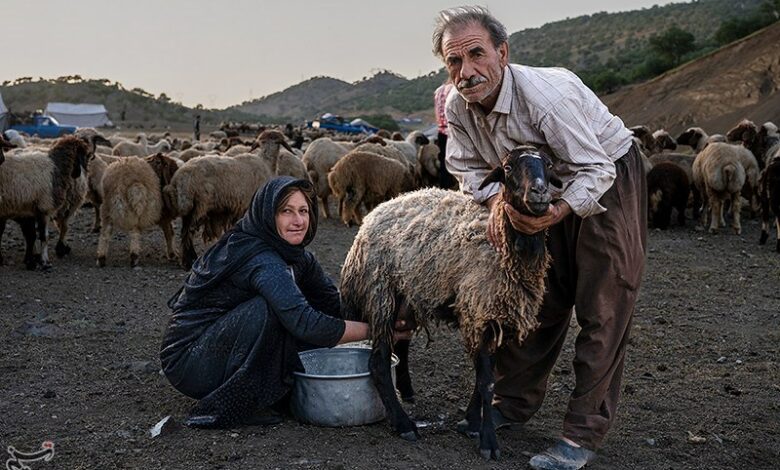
324, 205
777, 228
105, 237
188, 254
379, 364
28, 231
696, 203
167, 229
765, 215
2, 230
135, 247
96, 225
484, 362
43, 238
736, 212
62, 249
715, 213
403, 380
473, 414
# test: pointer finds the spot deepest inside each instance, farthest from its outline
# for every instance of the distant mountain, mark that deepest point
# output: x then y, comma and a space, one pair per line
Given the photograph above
581, 44
741, 80
126, 108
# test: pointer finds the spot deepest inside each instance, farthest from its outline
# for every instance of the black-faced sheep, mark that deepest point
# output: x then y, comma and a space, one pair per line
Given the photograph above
697, 139
133, 201
770, 200
367, 178
668, 187
425, 256
37, 185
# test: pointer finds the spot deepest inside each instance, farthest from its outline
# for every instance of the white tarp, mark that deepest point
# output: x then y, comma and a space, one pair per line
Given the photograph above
79, 115
3, 115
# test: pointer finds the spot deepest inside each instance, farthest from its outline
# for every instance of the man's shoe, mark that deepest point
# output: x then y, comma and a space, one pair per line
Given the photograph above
499, 422
562, 456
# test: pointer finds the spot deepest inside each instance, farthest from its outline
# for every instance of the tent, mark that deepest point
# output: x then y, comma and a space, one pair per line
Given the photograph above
4, 116
79, 115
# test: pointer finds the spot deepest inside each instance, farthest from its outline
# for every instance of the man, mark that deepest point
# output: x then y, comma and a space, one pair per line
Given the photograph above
196, 128
439, 101
596, 230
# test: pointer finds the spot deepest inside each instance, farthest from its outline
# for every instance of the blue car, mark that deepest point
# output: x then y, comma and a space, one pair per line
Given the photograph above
44, 126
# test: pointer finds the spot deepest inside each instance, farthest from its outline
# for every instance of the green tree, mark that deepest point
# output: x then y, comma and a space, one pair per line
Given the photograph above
673, 44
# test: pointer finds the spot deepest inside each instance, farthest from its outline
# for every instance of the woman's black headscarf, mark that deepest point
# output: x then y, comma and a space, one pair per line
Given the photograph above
255, 233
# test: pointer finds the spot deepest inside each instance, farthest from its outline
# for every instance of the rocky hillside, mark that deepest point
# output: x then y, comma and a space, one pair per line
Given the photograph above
741, 80
582, 44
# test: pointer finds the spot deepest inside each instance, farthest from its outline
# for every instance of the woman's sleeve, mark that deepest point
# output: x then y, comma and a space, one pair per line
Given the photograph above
320, 290
274, 281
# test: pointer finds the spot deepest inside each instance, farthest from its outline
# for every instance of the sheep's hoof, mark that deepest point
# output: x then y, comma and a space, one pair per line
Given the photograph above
713, 231
96, 229
133, 260
777, 247
410, 436
764, 238
488, 454
61, 249
45, 267
737, 230
101, 261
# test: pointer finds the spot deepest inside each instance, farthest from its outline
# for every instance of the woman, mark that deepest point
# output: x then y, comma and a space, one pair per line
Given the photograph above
250, 303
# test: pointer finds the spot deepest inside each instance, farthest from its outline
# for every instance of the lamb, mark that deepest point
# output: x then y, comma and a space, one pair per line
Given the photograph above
367, 178
37, 185
424, 256
718, 174
213, 192
697, 139
655, 142
142, 148
133, 201
319, 158
770, 200
668, 187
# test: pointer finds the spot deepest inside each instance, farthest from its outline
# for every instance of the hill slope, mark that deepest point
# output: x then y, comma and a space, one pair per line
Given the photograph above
713, 92
138, 107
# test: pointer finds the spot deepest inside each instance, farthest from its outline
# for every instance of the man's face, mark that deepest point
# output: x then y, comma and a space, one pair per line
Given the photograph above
475, 66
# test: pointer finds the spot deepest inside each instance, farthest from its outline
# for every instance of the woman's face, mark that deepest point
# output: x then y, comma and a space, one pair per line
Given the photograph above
292, 219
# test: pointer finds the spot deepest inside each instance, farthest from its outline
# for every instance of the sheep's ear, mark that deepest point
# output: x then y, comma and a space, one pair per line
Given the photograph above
495, 176
555, 181
254, 146
421, 140
287, 146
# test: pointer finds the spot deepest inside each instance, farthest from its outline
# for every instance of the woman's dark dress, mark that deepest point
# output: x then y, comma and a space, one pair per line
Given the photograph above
246, 309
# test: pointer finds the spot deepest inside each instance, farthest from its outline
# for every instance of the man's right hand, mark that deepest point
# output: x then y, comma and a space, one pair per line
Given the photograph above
492, 224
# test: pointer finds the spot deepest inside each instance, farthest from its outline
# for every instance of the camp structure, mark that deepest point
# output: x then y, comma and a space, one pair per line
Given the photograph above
79, 115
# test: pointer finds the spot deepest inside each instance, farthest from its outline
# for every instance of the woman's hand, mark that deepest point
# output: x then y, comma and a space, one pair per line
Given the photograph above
358, 331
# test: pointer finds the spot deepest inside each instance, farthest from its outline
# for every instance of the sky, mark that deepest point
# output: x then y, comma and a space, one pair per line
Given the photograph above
220, 54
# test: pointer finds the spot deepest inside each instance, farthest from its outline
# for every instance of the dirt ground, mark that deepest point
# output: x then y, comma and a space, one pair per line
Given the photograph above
79, 367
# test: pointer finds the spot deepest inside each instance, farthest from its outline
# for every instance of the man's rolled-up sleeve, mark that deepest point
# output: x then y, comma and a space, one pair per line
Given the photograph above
573, 141
465, 164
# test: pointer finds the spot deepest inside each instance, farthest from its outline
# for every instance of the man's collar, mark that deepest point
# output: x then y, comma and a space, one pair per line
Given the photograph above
504, 101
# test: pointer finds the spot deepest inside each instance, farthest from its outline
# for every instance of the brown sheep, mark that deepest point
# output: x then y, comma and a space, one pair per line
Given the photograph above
368, 178
719, 175
668, 187
133, 202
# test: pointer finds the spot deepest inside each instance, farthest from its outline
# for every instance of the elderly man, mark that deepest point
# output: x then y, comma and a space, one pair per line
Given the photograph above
597, 230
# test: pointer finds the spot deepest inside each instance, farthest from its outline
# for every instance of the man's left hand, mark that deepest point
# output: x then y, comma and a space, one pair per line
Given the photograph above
529, 224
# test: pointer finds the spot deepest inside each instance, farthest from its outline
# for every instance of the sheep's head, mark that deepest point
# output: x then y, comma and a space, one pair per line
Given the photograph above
374, 139
397, 136
526, 175
271, 140
664, 141
690, 137
744, 132
4, 145
644, 135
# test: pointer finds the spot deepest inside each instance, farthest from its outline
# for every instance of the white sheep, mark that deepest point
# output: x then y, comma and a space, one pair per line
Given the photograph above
133, 201
142, 148
319, 158
719, 175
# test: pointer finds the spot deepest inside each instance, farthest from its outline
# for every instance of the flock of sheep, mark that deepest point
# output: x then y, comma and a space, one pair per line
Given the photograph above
721, 171
136, 184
